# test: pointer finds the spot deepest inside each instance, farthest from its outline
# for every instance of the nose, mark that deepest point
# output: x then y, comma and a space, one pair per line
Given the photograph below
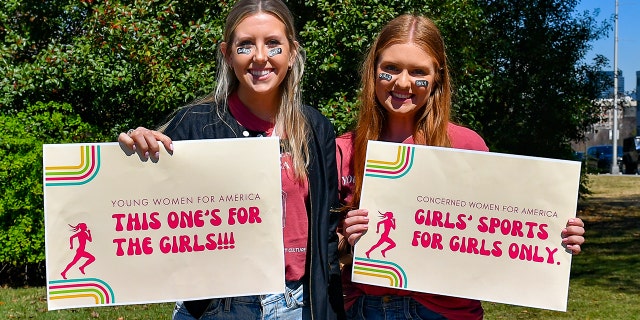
261, 54
403, 81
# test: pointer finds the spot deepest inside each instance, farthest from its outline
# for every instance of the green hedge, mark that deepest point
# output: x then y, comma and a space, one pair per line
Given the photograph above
22, 135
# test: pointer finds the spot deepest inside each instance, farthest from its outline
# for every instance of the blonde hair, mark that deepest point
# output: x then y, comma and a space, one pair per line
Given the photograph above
432, 122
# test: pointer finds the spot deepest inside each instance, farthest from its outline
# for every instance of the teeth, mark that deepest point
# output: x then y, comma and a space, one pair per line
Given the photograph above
400, 95
259, 73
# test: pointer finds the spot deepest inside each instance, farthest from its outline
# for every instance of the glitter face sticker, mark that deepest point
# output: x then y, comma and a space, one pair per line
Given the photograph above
275, 51
422, 83
243, 51
384, 76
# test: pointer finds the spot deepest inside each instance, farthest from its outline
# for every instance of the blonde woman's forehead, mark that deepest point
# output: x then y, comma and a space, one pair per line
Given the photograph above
262, 23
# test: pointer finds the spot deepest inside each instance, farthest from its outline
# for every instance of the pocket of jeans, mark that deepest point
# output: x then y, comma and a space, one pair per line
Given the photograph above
295, 296
423, 313
214, 307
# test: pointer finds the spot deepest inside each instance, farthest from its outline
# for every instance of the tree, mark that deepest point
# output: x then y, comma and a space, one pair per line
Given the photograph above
81, 71
116, 63
21, 207
540, 95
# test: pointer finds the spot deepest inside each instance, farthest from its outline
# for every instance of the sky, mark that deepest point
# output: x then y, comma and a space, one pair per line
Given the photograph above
628, 36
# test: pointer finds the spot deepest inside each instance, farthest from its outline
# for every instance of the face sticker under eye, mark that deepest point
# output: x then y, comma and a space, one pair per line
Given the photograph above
274, 51
243, 51
422, 83
384, 76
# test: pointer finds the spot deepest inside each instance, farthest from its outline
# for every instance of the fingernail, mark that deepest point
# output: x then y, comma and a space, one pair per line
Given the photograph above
134, 147
171, 147
146, 154
157, 155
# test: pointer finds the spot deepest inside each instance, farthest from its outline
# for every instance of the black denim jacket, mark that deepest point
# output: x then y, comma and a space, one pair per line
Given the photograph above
206, 121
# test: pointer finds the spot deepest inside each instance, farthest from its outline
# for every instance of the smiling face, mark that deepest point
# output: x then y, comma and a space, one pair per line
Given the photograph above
404, 93
260, 55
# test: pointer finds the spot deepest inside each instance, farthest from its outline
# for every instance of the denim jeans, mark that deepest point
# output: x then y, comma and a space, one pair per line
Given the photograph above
292, 305
390, 308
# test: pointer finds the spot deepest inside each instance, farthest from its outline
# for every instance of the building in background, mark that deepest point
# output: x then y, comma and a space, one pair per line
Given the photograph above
628, 116
608, 93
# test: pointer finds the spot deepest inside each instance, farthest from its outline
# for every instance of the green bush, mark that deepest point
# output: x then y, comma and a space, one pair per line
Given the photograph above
22, 135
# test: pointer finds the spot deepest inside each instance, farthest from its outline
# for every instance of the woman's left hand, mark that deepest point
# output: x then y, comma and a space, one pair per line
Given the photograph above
573, 235
355, 224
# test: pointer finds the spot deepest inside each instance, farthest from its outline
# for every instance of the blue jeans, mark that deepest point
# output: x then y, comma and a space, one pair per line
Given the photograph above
390, 308
292, 305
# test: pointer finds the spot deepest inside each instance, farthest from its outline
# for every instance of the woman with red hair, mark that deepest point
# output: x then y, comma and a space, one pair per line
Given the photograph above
405, 98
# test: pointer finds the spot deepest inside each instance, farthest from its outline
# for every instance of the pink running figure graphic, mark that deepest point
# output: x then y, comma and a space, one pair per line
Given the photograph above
389, 222
83, 234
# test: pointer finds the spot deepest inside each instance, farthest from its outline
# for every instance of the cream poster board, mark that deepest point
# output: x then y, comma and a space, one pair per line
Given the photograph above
468, 224
203, 222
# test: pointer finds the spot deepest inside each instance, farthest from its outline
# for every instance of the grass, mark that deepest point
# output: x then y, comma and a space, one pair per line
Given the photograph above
605, 282
31, 303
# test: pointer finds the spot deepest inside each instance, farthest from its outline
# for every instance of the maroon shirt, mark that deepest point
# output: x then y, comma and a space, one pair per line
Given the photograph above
295, 195
450, 307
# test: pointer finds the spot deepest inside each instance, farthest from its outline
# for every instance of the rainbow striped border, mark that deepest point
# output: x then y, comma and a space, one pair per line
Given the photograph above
391, 169
74, 175
82, 288
381, 269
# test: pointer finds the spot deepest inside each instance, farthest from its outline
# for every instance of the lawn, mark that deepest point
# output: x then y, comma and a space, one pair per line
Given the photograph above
605, 282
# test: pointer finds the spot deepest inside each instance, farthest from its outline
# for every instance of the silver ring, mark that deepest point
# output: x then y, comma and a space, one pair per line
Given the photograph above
130, 131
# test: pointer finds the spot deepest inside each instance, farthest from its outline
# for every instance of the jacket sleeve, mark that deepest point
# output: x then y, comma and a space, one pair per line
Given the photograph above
326, 140
332, 190
334, 285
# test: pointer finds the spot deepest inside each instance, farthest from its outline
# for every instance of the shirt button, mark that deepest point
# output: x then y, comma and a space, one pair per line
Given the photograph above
386, 299
245, 133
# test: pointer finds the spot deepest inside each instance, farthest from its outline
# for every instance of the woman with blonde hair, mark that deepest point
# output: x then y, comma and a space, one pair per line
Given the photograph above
258, 94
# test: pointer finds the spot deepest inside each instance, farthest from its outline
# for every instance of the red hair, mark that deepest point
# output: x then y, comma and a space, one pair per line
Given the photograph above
431, 123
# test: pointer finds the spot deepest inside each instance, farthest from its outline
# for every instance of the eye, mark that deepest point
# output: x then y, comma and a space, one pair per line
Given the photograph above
273, 43
390, 68
419, 72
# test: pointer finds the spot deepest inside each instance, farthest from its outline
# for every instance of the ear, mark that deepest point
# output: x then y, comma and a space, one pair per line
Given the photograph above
223, 50
294, 53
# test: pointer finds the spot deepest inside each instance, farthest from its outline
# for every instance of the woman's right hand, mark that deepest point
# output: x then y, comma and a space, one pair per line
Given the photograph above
145, 141
355, 224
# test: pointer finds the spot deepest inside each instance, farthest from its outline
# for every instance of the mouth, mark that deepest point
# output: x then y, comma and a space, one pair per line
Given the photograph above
400, 96
260, 73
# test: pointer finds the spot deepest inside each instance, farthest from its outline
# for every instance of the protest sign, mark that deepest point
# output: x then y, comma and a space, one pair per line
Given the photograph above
469, 224
203, 222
